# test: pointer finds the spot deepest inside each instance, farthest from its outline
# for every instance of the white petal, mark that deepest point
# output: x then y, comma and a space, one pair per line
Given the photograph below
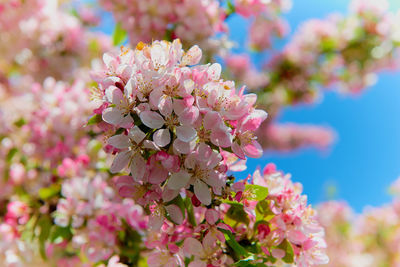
202, 192
137, 135
112, 116
175, 213
192, 56
186, 133
114, 95
183, 147
178, 180
109, 60
152, 119
162, 137
214, 71
120, 161
119, 141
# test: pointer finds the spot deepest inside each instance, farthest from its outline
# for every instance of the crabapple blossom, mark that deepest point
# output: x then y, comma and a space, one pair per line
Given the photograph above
186, 113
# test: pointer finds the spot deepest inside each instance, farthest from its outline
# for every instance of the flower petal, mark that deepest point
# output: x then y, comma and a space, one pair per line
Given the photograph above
119, 141
192, 246
112, 116
162, 137
186, 133
253, 150
175, 213
138, 168
120, 161
192, 56
178, 180
202, 192
151, 119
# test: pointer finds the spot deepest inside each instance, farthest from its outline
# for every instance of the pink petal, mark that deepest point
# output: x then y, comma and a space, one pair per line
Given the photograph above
162, 137
238, 150
151, 119
197, 263
221, 138
178, 180
175, 213
165, 106
212, 216
169, 194
212, 120
254, 120
253, 150
278, 253
192, 246
296, 236
189, 115
184, 147
186, 133
120, 161
202, 192
138, 167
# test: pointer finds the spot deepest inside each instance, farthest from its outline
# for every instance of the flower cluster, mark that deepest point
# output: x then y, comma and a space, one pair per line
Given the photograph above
193, 21
46, 41
169, 122
289, 136
177, 130
339, 51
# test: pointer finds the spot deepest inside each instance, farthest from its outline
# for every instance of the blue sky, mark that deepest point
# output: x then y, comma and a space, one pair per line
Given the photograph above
366, 157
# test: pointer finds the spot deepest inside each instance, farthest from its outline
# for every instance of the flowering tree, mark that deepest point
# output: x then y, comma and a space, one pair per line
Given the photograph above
131, 160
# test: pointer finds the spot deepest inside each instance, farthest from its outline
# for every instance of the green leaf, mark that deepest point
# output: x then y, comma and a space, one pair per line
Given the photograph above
60, 234
230, 8
257, 192
231, 241
95, 119
19, 123
49, 192
235, 215
45, 227
190, 212
287, 247
11, 153
245, 262
119, 35
263, 210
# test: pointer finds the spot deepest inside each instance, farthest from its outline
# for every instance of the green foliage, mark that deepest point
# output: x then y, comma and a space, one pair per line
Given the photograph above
289, 253
44, 224
190, 212
59, 234
95, 119
257, 192
231, 241
19, 123
49, 192
263, 210
236, 214
119, 35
